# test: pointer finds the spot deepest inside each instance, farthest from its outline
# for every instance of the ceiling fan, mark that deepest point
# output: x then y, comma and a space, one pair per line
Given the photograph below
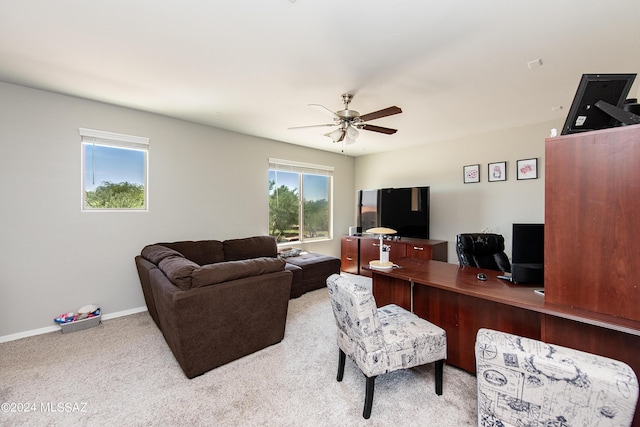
349, 122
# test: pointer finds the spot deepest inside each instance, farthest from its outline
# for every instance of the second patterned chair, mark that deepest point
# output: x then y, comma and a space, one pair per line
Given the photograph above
381, 340
525, 382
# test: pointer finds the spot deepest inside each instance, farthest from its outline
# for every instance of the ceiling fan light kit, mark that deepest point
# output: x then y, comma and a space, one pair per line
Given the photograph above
352, 132
349, 122
335, 135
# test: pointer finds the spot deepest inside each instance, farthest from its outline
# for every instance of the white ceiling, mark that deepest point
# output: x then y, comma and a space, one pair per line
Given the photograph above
455, 67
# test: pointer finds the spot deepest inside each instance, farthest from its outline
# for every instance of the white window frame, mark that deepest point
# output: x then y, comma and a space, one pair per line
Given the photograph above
115, 140
308, 169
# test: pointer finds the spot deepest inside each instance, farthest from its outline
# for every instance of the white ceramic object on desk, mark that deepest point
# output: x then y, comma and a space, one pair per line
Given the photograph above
376, 264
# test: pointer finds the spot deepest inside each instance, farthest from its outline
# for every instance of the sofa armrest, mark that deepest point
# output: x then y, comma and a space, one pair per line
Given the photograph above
144, 268
210, 326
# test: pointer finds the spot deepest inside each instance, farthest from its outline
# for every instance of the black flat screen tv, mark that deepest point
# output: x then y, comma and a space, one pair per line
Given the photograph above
527, 253
584, 115
405, 210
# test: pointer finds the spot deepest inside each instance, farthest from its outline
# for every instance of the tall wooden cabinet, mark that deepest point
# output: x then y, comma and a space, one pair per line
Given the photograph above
358, 251
592, 242
592, 221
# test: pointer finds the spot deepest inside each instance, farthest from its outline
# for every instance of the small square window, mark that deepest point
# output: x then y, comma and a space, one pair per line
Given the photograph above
114, 171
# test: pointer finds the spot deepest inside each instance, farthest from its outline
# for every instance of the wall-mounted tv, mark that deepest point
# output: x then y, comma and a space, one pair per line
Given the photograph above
405, 210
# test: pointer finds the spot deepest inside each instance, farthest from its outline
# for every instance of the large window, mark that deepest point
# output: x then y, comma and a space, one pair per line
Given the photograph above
299, 201
114, 171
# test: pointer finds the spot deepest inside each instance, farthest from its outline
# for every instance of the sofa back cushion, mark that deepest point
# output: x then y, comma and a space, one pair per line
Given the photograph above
156, 253
231, 270
201, 252
178, 269
250, 247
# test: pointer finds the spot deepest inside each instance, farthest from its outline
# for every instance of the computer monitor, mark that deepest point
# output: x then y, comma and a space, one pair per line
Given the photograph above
597, 93
527, 254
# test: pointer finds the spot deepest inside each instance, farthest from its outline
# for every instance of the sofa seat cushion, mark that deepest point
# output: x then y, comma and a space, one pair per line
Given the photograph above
232, 270
156, 253
178, 269
250, 247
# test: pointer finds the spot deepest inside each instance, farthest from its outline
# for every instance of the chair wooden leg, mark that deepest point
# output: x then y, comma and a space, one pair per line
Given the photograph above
368, 398
439, 369
341, 359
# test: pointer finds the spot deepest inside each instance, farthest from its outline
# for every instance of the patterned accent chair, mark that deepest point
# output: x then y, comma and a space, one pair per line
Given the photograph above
381, 340
524, 382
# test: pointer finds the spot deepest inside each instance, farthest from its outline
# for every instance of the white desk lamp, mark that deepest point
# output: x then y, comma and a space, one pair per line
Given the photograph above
383, 261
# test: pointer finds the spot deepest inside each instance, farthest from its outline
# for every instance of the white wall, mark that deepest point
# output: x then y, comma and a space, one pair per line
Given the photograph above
457, 207
205, 183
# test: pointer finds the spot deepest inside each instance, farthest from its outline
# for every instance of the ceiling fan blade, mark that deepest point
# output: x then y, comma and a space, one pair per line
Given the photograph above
313, 126
380, 129
324, 110
389, 111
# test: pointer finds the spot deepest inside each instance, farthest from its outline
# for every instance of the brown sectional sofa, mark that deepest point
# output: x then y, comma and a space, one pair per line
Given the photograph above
216, 301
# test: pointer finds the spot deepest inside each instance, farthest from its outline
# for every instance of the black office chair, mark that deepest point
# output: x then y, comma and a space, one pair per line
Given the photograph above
482, 250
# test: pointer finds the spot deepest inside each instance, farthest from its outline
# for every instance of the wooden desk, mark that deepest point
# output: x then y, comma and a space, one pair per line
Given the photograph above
454, 299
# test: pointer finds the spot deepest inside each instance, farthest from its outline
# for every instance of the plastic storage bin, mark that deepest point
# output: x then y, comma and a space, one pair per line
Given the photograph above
79, 325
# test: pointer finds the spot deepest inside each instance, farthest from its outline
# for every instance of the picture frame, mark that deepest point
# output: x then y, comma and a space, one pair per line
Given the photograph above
497, 171
471, 174
527, 169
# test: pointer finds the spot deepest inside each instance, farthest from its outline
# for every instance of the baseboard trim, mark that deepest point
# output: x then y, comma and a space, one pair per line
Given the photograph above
124, 313
55, 328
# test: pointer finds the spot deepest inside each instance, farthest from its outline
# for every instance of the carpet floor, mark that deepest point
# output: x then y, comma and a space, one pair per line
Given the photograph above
123, 373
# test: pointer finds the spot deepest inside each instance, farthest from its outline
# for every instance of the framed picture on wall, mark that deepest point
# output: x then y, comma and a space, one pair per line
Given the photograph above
497, 171
527, 168
471, 174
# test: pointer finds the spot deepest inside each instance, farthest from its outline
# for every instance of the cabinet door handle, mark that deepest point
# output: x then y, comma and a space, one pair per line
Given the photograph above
418, 248
376, 244
349, 258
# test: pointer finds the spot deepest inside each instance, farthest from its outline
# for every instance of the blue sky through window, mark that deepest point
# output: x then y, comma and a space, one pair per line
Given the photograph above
315, 186
112, 164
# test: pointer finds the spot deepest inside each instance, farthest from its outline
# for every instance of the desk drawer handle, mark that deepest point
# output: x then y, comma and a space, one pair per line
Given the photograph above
349, 258
418, 248
376, 244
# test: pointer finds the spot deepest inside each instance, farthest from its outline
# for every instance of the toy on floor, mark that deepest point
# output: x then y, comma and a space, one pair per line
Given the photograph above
85, 312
